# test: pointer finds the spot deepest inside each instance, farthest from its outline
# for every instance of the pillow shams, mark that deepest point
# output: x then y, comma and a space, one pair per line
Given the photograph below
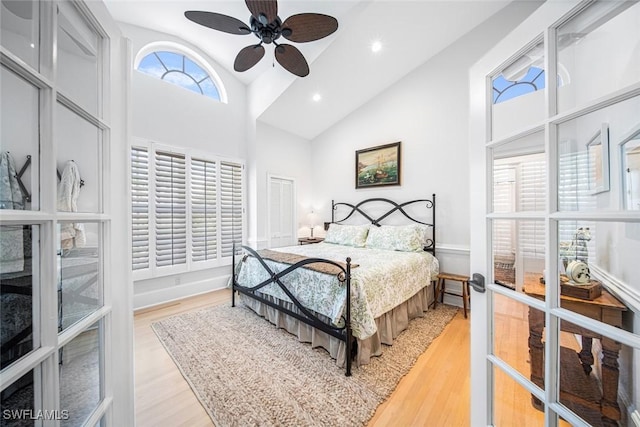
406, 238
348, 235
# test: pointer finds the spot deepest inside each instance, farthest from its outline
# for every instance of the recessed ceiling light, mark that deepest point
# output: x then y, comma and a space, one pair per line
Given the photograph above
316, 97
33, 46
376, 46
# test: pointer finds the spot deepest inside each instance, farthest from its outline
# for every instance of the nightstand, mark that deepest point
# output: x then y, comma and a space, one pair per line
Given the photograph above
309, 240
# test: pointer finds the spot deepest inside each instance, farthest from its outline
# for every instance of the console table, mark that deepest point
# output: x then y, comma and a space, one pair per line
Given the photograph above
607, 309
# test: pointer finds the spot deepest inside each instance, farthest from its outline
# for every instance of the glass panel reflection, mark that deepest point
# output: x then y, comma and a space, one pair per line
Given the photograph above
519, 175
588, 168
20, 29
80, 376
513, 405
17, 270
18, 403
591, 368
79, 291
512, 335
588, 64
19, 142
78, 53
630, 152
79, 153
518, 253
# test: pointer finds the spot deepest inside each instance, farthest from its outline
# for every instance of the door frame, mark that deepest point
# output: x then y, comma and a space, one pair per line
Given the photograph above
541, 22
294, 204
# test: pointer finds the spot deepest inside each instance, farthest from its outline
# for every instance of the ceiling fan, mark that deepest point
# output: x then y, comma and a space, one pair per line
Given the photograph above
267, 26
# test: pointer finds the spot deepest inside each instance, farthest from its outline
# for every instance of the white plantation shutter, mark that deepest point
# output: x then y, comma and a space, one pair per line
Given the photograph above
204, 241
170, 209
140, 207
532, 198
186, 211
574, 194
231, 213
504, 184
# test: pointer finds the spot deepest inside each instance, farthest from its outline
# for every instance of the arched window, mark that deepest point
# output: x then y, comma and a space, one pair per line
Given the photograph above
182, 67
504, 89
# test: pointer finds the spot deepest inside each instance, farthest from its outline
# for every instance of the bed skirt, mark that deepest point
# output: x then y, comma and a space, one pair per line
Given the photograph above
389, 326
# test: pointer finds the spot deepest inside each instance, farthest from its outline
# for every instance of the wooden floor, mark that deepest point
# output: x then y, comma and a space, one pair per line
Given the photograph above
436, 391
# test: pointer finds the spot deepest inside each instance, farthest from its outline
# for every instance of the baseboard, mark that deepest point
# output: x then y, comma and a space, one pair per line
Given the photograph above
633, 415
452, 249
175, 293
629, 296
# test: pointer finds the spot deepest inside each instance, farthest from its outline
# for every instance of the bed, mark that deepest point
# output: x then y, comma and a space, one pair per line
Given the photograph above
388, 270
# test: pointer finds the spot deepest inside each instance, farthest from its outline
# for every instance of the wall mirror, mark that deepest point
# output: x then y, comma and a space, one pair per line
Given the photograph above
630, 156
598, 160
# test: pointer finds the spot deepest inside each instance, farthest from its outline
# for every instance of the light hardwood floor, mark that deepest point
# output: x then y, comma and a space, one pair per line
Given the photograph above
436, 392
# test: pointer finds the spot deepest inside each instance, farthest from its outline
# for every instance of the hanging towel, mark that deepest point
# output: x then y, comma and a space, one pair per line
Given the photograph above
71, 234
11, 237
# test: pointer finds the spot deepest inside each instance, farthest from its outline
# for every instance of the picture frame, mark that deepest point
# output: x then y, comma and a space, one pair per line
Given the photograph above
378, 166
598, 160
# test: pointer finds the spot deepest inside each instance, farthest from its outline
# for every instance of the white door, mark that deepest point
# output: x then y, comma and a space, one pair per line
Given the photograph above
551, 106
282, 227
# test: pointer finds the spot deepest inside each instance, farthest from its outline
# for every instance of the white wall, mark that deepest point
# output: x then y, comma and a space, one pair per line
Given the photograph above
171, 115
428, 111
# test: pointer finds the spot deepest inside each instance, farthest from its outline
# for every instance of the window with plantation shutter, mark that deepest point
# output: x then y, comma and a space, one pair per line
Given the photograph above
170, 209
204, 228
187, 210
231, 210
140, 207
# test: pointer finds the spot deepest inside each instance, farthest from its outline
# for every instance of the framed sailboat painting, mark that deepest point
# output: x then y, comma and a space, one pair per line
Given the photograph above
378, 166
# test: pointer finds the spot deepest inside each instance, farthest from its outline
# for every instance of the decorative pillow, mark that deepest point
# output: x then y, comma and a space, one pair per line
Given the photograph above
348, 235
406, 238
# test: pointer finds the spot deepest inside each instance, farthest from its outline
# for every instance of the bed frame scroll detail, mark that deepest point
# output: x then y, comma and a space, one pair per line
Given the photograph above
343, 333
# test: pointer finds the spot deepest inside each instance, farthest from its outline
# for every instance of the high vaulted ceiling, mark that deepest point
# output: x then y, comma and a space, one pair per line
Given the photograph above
345, 72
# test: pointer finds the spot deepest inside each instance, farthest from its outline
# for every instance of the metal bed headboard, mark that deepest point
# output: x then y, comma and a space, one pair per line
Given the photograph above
430, 244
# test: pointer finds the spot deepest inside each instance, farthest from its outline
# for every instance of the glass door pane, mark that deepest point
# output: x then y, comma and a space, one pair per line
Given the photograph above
598, 52
20, 25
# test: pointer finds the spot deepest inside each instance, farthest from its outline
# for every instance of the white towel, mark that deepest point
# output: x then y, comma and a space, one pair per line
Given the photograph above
71, 234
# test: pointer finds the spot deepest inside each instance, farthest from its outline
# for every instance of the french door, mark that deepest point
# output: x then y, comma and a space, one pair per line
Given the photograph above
66, 312
555, 127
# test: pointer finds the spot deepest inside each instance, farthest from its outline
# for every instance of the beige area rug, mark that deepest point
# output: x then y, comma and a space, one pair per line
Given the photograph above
245, 372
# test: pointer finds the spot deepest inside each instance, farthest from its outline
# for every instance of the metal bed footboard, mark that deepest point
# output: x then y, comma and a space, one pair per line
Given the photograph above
343, 333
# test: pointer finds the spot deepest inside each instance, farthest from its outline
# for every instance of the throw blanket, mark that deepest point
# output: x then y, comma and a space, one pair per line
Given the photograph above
288, 258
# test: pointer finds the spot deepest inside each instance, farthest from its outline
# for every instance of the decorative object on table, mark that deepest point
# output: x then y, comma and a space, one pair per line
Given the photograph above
267, 26
378, 166
576, 249
578, 273
598, 158
588, 291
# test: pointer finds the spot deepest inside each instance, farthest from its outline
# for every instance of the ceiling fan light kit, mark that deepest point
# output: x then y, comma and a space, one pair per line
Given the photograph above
267, 26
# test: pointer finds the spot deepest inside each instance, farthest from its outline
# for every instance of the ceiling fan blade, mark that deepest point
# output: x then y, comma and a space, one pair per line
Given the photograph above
267, 8
218, 22
307, 27
292, 60
248, 57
